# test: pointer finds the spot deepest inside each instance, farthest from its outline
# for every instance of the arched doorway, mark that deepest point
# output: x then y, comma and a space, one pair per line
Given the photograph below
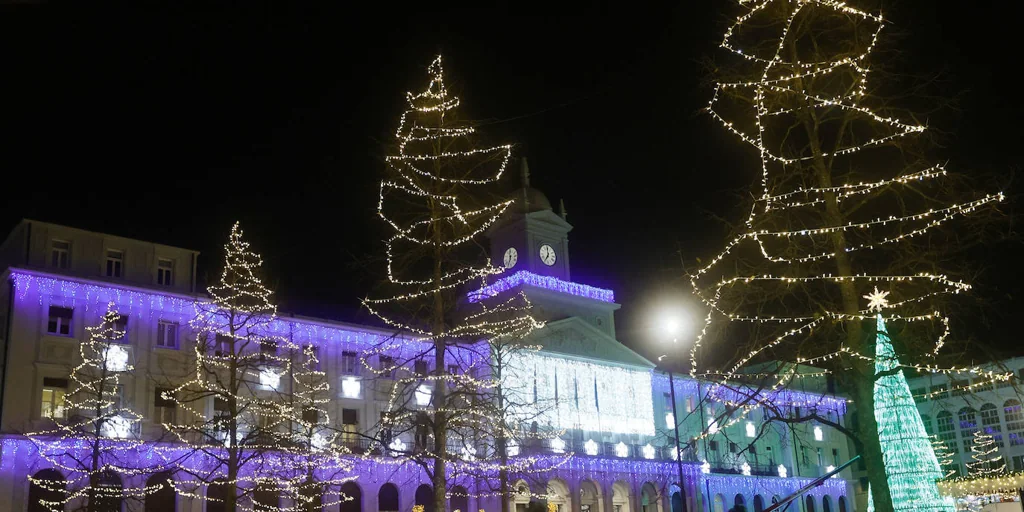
719, 505
110, 498
266, 498
353, 496
163, 500
459, 500
826, 504
738, 501
216, 494
558, 495
590, 497
310, 496
520, 498
649, 498
620, 497
842, 504
425, 497
809, 504
676, 498
758, 503
46, 485
387, 498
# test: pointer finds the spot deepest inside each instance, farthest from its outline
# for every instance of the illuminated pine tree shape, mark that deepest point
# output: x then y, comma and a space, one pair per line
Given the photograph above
319, 468
96, 431
945, 457
242, 367
910, 462
846, 205
985, 458
436, 201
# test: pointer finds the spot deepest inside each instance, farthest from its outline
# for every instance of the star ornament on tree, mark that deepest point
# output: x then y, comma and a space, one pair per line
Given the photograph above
877, 300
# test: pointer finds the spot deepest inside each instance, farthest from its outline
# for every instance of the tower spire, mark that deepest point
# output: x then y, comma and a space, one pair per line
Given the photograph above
524, 171
561, 210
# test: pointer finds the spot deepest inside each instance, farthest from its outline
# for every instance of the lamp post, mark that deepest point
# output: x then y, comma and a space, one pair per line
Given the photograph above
672, 326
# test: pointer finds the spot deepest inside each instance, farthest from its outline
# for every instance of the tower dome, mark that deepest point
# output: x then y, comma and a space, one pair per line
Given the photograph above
528, 199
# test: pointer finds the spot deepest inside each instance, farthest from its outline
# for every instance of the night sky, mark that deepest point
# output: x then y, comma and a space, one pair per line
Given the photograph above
166, 122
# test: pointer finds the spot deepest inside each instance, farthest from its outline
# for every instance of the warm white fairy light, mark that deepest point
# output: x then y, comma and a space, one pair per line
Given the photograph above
778, 76
985, 459
96, 422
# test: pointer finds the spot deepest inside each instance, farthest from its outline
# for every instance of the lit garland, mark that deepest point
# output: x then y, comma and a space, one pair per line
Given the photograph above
944, 457
784, 85
525, 277
985, 459
240, 364
437, 170
94, 419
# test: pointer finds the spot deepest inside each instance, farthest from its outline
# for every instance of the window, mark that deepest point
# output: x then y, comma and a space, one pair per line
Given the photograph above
349, 425
115, 259
818, 433
835, 456
938, 392
959, 387
53, 397
713, 446
453, 369
968, 424
60, 321
1017, 462
927, 421
387, 366
918, 394
60, 254
733, 448
222, 345
983, 385
1014, 421
349, 363
314, 352
167, 334
165, 409
164, 272
420, 367
689, 404
947, 430
990, 422
120, 326
1007, 383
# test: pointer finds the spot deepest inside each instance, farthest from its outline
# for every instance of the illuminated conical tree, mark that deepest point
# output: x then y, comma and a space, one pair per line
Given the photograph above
910, 462
985, 458
944, 456
239, 365
96, 434
847, 200
436, 200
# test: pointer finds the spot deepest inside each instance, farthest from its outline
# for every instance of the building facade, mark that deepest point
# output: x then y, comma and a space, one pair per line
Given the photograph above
618, 432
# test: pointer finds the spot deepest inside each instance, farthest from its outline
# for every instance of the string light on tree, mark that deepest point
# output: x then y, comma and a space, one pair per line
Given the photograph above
985, 459
836, 208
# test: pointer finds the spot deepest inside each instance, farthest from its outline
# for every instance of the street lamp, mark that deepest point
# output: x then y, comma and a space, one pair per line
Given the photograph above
672, 327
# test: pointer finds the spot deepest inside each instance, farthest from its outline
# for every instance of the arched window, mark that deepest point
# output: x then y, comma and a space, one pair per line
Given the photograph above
739, 501
990, 422
927, 420
946, 429
425, 496
459, 499
842, 504
758, 503
163, 500
809, 504
216, 494
387, 498
354, 495
1014, 421
968, 419
110, 499
47, 485
826, 504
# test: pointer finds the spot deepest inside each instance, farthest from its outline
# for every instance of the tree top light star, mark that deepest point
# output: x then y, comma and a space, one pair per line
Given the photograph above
877, 300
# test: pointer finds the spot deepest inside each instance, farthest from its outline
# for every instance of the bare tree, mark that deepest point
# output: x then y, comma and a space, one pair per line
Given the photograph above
847, 203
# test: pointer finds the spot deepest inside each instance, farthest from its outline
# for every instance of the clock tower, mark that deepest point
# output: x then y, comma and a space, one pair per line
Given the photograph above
530, 236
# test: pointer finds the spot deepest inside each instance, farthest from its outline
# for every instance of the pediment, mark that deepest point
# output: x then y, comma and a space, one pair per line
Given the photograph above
575, 337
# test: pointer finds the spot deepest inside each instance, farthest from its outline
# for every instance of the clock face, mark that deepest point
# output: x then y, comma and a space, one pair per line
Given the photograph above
547, 255
511, 257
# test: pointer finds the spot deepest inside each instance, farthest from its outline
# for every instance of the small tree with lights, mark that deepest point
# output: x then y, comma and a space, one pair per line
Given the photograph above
985, 459
847, 202
239, 370
944, 456
96, 439
436, 202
